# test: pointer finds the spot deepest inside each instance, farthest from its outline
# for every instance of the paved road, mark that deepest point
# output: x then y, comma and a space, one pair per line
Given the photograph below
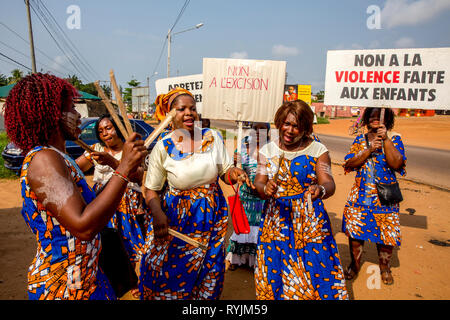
427, 165
431, 166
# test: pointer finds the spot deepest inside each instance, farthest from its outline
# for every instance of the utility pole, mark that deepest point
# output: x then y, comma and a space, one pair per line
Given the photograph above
30, 30
169, 37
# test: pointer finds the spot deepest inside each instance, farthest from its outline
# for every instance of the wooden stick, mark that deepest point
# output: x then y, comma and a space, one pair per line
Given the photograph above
382, 116
111, 110
84, 145
310, 205
275, 178
187, 239
123, 110
160, 128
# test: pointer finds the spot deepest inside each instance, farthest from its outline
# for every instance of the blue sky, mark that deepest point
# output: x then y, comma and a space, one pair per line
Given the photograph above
128, 36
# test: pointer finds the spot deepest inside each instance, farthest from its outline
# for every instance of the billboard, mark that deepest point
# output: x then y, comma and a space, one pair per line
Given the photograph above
304, 93
242, 89
397, 78
192, 83
290, 92
139, 99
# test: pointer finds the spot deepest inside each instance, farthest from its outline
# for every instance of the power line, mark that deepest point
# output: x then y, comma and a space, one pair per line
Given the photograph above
57, 44
61, 39
186, 3
83, 60
27, 56
18, 63
42, 52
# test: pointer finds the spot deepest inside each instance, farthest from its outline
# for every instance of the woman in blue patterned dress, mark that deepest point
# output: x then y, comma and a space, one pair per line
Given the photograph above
297, 256
132, 209
58, 205
191, 160
242, 247
365, 218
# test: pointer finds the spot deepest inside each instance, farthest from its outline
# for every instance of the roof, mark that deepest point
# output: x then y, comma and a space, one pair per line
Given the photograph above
4, 91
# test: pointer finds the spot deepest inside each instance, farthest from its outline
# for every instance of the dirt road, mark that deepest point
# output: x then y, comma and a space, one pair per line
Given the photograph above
419, 266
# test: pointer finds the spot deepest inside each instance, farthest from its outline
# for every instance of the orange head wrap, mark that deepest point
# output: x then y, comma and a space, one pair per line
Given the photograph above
163, 101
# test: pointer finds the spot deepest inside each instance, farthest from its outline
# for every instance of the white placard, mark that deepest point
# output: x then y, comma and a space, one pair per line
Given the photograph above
397, 78
192, 83
241, 89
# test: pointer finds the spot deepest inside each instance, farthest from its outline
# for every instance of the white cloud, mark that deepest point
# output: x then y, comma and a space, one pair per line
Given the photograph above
282, 51
58, 62
398, 13
239, 55
405, 42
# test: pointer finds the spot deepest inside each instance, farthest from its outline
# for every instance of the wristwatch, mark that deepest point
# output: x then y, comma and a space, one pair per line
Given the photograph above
324, 191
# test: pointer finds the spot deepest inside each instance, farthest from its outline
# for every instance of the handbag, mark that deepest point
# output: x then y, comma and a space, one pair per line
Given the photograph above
115, 262
238, 216
388, 193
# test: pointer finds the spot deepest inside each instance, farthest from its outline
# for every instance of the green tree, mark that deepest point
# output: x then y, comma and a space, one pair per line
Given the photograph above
320, 96
16, 76
3, 80
133, 83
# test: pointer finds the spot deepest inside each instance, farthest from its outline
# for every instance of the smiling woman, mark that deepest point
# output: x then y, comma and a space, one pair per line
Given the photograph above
297, 256
190, 160
58, 205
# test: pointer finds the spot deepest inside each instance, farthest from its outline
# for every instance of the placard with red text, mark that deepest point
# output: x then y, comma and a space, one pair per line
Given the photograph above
397, 78
242, 89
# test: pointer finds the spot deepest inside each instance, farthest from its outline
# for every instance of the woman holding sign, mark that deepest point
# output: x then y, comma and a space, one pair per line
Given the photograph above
375, 156
58, 205
297, 256
191, 160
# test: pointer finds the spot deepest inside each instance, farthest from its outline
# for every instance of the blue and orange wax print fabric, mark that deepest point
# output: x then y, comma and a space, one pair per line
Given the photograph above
364, 217
64, 267
175, 269
297, 256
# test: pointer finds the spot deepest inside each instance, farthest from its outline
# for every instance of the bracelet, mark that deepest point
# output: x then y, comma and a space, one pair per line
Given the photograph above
123, 177
324, 191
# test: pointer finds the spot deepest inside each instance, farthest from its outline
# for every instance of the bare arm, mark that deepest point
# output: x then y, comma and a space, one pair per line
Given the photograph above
83, 163
324, 178
52, 182
160, 220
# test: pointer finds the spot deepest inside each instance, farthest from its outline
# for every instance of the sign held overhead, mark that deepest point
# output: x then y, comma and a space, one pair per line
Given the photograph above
398, 78
192, 83
242, 89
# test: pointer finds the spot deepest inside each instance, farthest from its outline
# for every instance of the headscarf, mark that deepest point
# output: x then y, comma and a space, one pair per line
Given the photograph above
163, 101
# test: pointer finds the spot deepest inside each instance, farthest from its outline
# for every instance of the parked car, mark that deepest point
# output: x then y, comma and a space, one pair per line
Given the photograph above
13, 157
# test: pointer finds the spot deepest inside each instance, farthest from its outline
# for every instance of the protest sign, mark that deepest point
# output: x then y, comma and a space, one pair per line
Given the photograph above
304, 93
242, 89
398, 78
192, 83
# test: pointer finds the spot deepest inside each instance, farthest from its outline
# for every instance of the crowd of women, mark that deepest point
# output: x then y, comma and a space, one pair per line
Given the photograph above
282, 185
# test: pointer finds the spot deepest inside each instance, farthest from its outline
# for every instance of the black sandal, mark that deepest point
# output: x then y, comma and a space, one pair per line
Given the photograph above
350, 274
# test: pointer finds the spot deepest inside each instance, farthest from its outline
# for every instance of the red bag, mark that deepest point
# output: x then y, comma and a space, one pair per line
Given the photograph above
238, 216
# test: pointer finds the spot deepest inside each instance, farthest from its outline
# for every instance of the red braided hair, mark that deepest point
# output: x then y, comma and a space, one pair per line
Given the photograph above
33, 109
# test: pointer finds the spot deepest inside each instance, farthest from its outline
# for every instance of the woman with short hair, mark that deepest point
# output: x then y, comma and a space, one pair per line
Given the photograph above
297, 256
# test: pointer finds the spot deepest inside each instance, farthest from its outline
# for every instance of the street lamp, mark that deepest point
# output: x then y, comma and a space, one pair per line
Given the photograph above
148, 85
169, 37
